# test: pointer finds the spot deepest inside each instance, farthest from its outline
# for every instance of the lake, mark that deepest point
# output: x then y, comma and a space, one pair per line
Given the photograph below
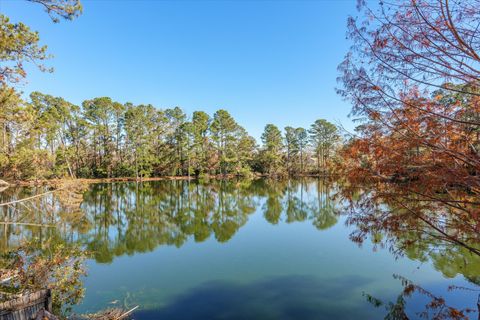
260, 249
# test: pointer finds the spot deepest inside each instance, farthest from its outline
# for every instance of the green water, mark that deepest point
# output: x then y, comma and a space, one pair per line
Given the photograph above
239, 250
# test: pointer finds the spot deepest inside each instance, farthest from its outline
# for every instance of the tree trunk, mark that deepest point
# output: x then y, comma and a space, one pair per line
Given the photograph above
318, 161
301, 160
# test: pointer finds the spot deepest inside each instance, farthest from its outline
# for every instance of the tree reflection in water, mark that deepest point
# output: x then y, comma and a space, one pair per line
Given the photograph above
126, 218
137, 217
399, 216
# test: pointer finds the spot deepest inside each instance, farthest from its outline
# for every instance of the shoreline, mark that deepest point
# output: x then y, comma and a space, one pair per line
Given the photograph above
44, 182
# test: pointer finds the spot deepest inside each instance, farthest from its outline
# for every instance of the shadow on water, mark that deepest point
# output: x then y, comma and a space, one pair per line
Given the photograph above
289, 297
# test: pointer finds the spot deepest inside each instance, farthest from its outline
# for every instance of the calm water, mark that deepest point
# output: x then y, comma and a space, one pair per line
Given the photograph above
236, 250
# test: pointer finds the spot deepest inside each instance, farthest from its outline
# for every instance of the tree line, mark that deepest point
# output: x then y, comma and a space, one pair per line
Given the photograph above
49, 137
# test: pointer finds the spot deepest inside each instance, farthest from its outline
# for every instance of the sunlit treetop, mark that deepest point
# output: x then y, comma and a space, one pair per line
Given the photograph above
57, 9
18, 45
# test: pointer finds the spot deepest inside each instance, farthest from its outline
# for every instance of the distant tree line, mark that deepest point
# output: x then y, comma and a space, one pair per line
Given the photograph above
48, 137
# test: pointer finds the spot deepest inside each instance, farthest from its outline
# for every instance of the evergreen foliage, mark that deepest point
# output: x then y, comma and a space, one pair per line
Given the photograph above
49, 137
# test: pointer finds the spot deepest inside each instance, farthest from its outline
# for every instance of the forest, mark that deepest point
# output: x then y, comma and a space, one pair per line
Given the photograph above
416, 107
49, 137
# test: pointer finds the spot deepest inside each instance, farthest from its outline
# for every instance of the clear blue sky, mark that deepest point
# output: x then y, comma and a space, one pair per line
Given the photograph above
263, 61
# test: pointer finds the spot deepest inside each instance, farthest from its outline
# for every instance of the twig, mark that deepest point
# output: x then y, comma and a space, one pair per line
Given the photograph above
478, 306
26, 224
30, 198
127, 313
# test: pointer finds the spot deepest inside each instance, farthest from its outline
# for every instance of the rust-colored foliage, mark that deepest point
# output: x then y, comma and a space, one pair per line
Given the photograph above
413, 165
419, 103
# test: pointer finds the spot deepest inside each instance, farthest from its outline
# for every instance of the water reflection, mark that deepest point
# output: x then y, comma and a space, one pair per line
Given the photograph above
137, 217
126, 218
440, 229
121, 219
425, 231
55, 216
